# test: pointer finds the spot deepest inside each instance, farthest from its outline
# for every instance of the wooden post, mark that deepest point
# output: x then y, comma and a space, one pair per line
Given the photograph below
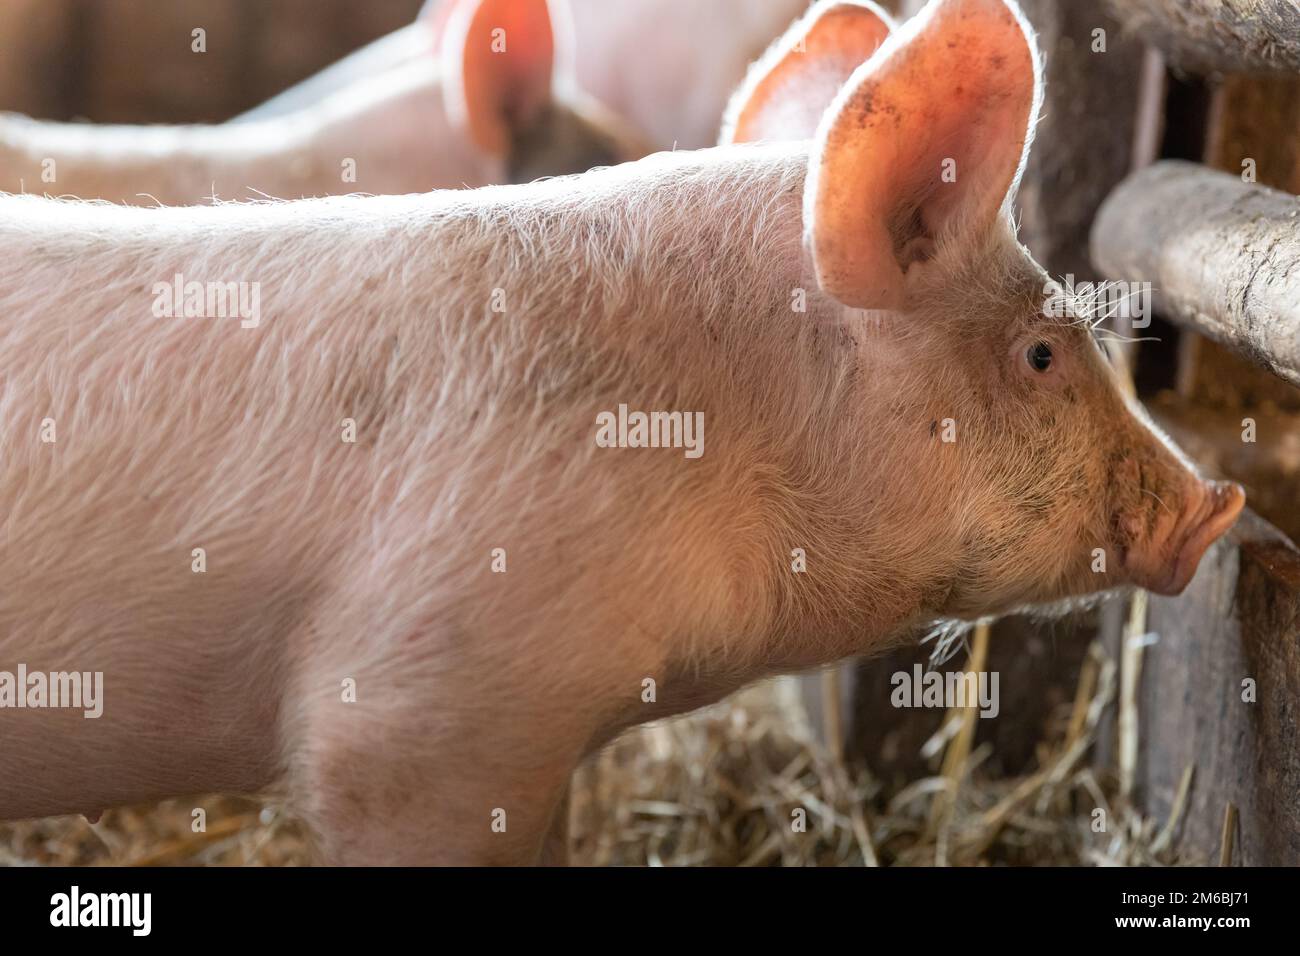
1219, 694
63, 59
1218, 687
1093, 75
180, 82
40, 63
1209, 36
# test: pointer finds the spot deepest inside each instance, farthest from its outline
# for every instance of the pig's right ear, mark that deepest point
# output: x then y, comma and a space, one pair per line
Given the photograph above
787, 90
921, 152
499, 64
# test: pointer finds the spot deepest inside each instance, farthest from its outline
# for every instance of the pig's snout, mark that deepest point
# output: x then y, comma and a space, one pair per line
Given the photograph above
1217, 510
1167, 558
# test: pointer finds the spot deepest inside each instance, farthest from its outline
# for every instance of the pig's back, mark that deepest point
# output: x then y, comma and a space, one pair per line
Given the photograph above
420, 359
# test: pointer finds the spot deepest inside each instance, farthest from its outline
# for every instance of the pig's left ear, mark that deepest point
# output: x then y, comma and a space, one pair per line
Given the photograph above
787, 90
922, 150
499, 62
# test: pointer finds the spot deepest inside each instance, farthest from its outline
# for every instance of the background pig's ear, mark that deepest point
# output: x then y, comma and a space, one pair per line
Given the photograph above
922, 149
498, 63
789, 88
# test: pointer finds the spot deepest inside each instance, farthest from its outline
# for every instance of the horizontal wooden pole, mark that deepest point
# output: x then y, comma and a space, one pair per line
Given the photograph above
1222, 256
1217, 36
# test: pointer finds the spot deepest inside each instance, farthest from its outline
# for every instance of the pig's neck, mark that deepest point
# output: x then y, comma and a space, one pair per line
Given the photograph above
689, 300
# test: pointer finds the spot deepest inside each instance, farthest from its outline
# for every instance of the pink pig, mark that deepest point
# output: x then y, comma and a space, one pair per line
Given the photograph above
428, 585
667, 67
432, 106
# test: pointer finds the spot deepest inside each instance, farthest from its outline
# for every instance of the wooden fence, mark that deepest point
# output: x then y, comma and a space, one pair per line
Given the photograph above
85, 59
1166, 123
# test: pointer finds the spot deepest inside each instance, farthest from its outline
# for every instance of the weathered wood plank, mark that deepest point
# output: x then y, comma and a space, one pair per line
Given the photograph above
1093, 80
254, 50
120, 35
1211, 36
38, 76
1238, 622
1223, 256
292, 39
1234, 418
1254, 131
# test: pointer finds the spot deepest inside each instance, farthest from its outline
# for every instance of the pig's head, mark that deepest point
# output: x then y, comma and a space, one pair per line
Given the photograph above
1000, 436
508, 82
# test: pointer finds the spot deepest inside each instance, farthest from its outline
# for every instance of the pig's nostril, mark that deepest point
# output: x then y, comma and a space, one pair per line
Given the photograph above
1227, 500
1220, 503
1229, 494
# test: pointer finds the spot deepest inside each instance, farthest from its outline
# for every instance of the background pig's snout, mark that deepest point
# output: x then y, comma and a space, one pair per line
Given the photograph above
1166, 563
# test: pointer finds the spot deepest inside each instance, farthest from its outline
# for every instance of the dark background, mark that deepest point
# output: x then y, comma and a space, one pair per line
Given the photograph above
130, 61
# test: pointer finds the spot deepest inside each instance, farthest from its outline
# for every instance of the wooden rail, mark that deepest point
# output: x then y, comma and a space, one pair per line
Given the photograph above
1222, 255
1217, 36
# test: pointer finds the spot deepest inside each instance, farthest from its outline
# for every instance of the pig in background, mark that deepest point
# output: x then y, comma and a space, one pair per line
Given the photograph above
430, 106
662, 284
667, 67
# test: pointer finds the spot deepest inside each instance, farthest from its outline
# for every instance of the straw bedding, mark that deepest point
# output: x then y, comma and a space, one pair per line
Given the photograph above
744, 782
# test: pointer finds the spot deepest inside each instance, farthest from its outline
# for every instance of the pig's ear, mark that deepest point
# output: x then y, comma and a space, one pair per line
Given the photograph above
786, 91
922, 150
499, 62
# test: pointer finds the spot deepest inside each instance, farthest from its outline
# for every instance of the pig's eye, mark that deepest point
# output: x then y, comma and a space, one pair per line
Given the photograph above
1039, 356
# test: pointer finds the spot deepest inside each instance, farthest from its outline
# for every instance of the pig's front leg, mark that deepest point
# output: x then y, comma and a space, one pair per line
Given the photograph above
400, 787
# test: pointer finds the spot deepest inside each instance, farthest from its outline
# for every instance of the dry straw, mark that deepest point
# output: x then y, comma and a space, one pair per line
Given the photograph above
743, 783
